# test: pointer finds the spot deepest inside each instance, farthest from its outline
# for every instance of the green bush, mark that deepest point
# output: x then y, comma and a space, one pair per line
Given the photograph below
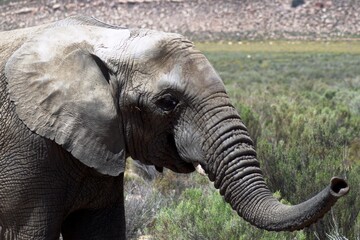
203, 214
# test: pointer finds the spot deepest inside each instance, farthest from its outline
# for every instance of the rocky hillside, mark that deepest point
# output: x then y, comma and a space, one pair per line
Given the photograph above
202, 19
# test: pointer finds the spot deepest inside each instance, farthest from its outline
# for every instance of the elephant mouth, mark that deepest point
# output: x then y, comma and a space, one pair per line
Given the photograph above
179, 165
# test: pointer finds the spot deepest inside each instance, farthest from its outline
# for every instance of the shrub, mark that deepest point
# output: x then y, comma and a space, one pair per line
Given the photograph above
203, 214
142, 202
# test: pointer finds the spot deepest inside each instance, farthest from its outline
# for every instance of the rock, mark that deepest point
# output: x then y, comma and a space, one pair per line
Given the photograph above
25, 10
56, 6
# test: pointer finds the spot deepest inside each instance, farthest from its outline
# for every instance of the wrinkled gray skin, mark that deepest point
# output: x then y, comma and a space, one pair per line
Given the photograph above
78, 96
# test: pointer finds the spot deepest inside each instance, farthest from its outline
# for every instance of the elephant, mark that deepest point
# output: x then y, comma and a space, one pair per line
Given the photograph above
79, 96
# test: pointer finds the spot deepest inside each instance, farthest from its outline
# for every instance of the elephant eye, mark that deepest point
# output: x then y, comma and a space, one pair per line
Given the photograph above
167, 103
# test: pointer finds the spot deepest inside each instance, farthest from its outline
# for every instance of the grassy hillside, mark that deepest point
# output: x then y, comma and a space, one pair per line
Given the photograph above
301, 104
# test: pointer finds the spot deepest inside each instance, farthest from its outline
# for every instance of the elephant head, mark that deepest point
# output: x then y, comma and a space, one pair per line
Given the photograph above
105, 94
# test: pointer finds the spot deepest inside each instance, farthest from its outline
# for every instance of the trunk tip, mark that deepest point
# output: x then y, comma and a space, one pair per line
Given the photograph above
339, 187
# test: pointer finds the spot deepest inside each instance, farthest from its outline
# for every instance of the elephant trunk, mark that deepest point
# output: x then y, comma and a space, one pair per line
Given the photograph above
233, 167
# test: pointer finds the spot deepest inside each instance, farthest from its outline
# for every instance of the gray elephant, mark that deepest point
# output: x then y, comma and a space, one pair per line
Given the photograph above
77, 97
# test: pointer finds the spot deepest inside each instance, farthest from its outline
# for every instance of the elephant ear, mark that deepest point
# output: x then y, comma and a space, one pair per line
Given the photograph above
64, 92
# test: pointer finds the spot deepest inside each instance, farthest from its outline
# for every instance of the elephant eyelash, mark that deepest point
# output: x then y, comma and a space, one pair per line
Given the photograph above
167, 103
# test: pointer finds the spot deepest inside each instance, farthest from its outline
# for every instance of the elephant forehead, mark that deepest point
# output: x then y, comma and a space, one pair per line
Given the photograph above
149, 44
173, 78
193, 78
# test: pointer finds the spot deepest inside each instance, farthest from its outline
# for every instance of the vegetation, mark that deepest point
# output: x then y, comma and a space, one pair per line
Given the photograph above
301, 103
